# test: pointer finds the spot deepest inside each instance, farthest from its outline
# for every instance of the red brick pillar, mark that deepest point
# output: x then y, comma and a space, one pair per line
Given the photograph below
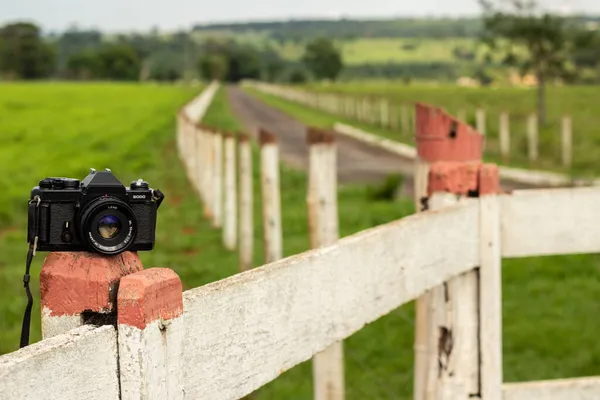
80, 285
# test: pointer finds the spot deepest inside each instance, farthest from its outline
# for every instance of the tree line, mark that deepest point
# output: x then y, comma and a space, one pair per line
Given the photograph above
85, 55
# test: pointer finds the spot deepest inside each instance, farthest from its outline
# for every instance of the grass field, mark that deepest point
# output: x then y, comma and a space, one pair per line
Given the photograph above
547, 302
578, 102
384, 50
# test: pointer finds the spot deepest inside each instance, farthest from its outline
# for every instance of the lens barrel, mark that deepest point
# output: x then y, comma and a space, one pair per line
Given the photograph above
108, 225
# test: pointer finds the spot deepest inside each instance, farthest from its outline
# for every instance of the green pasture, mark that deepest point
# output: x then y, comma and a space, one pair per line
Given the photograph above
388, 50
579, 102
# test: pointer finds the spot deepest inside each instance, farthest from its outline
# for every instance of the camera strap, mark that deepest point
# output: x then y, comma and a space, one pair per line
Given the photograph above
34, 213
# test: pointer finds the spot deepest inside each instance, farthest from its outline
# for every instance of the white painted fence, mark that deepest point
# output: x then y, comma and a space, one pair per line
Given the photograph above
376, 111
244, 331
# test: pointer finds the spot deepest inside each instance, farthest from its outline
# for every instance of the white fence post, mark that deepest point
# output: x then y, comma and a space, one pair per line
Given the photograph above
217, 180
151, 332
567, 141
532, 137
271, 198
504, 135
405, 119
207, 172
480, 120
230, 193
328, 366
490, 285
246, 206
466, 315
384, 113
442, 138
76, 286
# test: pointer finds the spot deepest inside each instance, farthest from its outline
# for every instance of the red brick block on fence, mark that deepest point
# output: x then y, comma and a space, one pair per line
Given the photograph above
150, 295
441, 137
71, 283
464, 178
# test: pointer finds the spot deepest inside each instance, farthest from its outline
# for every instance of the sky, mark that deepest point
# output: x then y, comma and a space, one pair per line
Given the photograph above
168, 15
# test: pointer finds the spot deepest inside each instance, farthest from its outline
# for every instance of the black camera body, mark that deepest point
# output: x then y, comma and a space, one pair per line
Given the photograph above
98, 214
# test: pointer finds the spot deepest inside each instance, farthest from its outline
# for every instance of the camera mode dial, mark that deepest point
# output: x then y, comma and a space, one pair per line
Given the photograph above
139, 184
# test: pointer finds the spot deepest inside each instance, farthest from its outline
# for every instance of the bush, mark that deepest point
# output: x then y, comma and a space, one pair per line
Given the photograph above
387, 189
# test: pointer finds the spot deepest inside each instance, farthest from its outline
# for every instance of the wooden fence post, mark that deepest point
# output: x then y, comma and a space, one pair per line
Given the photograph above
76, 287
384, 113
467, 310
393, 113
567, 140
490, 285
217, 180
246, 203
532, 137
480, 120
208, 153
271, 198
504, 136
230, 194
328, 366
405, 119
151, 334
441, 138
200, 164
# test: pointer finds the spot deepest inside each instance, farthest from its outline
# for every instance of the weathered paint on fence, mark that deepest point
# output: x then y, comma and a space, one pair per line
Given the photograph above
328, 365
81, 364
230, 194
246, 206
249, 328
151, 329
271, 200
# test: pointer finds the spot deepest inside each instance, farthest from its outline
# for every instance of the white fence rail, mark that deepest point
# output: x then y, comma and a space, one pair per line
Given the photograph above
81, 364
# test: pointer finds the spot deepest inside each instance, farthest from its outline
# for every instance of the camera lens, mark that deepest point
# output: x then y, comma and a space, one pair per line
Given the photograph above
109, 226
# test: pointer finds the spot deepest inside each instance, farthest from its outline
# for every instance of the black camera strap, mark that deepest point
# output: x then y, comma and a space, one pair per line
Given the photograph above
34, 213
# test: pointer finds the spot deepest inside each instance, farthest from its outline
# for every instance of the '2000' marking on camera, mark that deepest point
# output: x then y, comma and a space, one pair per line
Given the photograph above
139, 196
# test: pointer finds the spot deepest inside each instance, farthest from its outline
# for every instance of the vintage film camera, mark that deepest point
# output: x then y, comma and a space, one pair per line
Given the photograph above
98, 214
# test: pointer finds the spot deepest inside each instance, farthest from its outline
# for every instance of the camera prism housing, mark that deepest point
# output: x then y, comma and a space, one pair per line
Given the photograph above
98, 214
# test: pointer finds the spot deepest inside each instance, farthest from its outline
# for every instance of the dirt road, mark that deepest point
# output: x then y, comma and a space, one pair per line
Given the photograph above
357, 162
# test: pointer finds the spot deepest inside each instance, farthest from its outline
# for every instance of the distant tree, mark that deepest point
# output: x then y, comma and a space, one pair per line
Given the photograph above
463, 53
586, 48
272, 64
298, 76
231, 61
84, 66
244, 63
75, 42
213, 66
323, 59
511, 24
484, 78
118, 62
23, 54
